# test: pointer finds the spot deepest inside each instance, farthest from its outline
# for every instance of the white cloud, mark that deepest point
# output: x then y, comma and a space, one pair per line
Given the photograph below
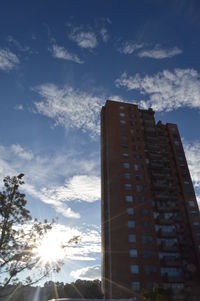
70, 107
42, 180
21, 152
78, 188
104, 34
87, 273
160, 53
130, 47
19, 107
8, 60
62, 53
167, 90
84, 39
192, 152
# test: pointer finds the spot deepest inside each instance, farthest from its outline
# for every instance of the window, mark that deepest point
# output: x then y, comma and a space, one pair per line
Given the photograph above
142, 199
124, 138
128, 186
122, 121
147, 238
148, 253
195, 213
198, 236
146, 224
127, 175
121, 108
196, 225
136, 166
191, 203
130, 211
134, 268
139, 188
131, 224
129, 198
173, 130
125, 155
137, 157
125, 145
176, 142
150, 269
132, 238
171, 271
139, 177
144, 212
122, 114
123, 130
126, 165
135, 285
133, 253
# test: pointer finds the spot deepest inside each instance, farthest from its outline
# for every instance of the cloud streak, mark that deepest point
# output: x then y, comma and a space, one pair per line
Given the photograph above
167, 90
159, 53
8, 60
130, 47
60, 52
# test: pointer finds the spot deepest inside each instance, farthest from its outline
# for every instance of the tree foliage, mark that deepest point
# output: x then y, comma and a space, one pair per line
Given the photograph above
19, 235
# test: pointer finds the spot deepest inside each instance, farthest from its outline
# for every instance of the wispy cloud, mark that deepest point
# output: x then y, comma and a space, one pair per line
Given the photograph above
159, 52
60, 52
84, 39
70, 107
18, 150
11, 40
167, 90
43, 179
87, 273
104, 34
130, 47
19, 107
8, 60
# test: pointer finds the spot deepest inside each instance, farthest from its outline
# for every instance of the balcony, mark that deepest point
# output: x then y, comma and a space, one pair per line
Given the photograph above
169, 248
167, 208
176, 279
164, 221
162, 233
156, 164
171, 262
161, 196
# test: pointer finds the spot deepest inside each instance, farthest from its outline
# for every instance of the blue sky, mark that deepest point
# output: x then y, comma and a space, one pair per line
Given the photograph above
59, 62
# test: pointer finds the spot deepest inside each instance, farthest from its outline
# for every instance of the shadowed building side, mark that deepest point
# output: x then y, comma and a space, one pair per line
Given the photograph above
150, 216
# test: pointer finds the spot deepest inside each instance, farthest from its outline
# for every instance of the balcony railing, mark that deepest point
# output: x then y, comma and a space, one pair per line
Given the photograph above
169, 248
171, 262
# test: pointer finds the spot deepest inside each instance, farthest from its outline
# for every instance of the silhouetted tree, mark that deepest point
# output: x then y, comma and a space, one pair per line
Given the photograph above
18, 235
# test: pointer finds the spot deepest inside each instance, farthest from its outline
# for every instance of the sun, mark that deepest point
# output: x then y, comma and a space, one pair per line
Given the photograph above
50, 249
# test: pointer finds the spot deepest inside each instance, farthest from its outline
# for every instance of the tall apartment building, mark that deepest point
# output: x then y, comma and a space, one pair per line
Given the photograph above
150, 216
